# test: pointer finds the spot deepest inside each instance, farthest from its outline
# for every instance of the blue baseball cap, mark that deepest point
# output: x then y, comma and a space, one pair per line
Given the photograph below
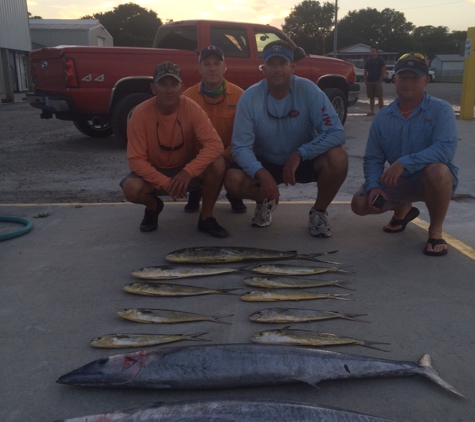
211, 49
279, 51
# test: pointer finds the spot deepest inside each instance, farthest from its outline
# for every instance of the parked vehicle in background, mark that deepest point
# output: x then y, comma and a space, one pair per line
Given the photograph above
98, 87
359, 74
389, 76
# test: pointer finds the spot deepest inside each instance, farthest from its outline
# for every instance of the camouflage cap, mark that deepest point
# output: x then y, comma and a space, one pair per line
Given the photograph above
167, 69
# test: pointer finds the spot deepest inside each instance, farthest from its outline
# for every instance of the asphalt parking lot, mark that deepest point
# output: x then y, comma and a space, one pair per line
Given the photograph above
61, 286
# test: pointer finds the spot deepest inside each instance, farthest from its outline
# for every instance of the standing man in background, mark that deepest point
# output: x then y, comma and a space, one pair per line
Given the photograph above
218, 98
374, 71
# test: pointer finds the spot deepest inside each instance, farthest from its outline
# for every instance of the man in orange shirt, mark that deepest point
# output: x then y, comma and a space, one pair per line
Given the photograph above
218, 98
173, 148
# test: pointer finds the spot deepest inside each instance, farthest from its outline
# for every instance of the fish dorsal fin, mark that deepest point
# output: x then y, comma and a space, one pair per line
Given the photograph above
313, 382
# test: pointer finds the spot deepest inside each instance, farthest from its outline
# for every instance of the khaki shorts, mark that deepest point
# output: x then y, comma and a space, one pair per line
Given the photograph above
374, 89
194, 184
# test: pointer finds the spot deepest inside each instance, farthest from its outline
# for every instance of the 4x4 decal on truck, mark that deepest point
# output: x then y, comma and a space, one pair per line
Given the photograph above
88, 78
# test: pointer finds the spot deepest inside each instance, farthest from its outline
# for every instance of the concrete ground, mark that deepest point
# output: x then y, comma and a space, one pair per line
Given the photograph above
61, 285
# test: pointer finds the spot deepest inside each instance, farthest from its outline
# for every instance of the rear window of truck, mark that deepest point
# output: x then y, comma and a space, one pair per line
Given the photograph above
233, 41
178, 37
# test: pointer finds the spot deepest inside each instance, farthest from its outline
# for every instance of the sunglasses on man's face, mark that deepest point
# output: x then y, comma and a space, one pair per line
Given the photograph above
416, 55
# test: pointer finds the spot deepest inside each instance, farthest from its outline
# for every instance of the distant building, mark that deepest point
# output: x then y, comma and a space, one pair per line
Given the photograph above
15, 45
54, 32
448, 66
359, 53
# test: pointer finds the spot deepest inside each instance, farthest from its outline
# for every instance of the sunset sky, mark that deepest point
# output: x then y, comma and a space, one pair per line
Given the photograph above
454, 14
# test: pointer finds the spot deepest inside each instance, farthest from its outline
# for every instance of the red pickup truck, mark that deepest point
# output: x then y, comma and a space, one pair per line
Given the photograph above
98, 87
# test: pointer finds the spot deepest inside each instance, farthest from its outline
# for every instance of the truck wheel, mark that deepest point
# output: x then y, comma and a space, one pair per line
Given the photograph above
122, 112
97, 127
338, 100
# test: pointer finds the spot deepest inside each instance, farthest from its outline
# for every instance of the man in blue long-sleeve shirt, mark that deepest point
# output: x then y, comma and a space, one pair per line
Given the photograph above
286, 131
417, 136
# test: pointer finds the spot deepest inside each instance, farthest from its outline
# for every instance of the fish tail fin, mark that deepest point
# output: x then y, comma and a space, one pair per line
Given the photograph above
218, 319
343, 284
324, 262
340, 296
425, 363
229, 291
352, 317
370, 345
193, 337
311, 257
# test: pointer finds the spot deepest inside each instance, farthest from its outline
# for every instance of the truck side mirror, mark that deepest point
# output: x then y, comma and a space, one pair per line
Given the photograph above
299, 54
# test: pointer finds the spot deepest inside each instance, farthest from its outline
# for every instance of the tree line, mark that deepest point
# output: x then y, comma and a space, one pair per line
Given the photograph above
310, 25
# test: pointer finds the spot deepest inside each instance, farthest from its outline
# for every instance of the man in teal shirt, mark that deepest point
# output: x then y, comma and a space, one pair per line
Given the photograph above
416, 134
286, 131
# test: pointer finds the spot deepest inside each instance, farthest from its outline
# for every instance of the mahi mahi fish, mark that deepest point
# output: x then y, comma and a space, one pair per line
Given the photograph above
279, 295
166, 316
231, 410
288, 336
122, 341
169, 272
285, 315
238, 365
285, 269
214, 254
292, 283
164, 289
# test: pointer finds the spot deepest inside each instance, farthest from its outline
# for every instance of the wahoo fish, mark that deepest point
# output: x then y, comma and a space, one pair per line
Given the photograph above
122, 341
292, 283
164, 289
238, 365
284, 269
231, 410
288, 336
166, 316
214, 254
278, 295
168, 272
285, 315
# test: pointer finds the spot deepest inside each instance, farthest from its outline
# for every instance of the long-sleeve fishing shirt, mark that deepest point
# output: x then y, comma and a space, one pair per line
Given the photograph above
428, 135
152, 137
260, 128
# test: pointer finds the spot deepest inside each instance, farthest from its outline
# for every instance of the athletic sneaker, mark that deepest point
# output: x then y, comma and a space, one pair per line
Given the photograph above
150, 219
194, 198
318, 223
263, 213
211, 226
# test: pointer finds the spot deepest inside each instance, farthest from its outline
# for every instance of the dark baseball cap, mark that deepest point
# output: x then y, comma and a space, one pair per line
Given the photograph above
211, 49
419, 67
167, 69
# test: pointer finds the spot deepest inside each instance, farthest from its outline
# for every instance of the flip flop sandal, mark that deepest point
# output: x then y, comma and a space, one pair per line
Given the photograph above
434, 242
411, 215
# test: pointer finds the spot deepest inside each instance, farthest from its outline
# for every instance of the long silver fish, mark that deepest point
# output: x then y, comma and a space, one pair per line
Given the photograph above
292, 283
214, 254
279, 295
164, 289
285, 269
285, 315
238, 365
123, 341
166, 316
288, 336
231, 410
169, 272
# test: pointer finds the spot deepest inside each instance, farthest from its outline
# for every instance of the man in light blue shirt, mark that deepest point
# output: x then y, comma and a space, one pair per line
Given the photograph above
416, 134
286, 131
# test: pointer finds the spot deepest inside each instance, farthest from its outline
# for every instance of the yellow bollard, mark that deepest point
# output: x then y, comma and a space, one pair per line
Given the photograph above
468, 86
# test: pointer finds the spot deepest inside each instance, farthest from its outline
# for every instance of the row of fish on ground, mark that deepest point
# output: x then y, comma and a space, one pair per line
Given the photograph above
202, 255
237, 365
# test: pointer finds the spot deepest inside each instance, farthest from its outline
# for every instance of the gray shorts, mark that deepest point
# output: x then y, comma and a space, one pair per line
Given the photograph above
405, 192
194, 184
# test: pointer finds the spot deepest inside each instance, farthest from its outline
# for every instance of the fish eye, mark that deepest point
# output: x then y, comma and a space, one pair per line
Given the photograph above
103, 361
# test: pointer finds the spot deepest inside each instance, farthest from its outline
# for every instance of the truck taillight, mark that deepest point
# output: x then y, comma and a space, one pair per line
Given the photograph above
70, 73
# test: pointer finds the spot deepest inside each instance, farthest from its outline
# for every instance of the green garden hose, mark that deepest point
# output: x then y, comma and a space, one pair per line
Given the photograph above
28, 226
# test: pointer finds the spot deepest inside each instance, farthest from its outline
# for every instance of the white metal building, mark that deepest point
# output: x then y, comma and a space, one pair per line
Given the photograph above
448, 65
15, 45
53, 32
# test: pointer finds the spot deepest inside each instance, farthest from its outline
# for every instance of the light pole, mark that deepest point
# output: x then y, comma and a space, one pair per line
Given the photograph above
335, 30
